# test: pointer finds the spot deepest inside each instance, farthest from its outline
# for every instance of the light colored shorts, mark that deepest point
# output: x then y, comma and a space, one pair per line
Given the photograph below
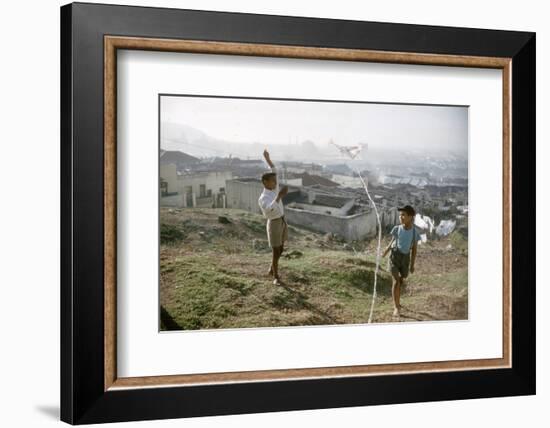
277, 231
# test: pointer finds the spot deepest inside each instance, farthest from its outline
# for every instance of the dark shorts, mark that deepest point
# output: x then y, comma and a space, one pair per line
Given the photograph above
399, 263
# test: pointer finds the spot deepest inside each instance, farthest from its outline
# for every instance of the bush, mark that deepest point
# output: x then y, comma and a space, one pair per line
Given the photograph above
458, 240
170, 233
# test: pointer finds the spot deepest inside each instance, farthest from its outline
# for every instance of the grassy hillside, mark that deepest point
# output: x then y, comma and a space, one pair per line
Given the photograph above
214, 264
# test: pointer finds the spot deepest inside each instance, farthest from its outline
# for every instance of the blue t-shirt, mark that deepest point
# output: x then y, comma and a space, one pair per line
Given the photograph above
404, 237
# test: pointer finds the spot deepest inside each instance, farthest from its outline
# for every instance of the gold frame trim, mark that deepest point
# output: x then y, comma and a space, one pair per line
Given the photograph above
112, 43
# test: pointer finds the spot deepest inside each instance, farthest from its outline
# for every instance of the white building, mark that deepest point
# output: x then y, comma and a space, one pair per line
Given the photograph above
193, 189
348, 181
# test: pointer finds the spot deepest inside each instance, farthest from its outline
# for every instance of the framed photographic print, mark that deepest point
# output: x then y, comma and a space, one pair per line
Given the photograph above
266, 213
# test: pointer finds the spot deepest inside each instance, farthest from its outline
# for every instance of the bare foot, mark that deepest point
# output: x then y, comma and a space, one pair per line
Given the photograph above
396, 312
277, 281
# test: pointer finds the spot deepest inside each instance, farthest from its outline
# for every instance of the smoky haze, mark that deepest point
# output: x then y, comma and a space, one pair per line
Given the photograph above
211, 126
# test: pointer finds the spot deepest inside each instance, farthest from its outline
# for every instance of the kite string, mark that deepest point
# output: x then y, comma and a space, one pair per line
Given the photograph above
378, 246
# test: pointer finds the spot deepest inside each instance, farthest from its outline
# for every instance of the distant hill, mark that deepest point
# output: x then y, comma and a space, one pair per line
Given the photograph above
177, 157
198, 143
184, 138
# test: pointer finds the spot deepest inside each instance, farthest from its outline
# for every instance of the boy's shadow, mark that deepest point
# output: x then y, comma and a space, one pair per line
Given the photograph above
302, 298
416, 315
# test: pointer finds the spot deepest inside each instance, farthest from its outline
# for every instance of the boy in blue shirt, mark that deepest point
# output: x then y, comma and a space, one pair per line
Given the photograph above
403, 253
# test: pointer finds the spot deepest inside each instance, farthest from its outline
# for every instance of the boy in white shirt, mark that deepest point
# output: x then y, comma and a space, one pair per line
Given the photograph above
271, 205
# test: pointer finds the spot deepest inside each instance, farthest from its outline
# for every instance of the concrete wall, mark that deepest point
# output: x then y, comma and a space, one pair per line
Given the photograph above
207, 202
293, 182
244, 195
318, 222
172, 201
357, 226
347, 181
322, 208
168, 174
353, 227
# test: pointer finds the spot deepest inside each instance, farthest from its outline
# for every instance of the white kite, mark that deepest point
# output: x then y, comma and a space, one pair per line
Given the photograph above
349, 151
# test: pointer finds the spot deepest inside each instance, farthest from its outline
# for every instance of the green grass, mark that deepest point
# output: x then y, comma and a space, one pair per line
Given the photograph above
458, 241
207, 293
213, 276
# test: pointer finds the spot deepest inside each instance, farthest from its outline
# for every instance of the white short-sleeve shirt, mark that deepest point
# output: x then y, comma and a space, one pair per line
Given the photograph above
271, 209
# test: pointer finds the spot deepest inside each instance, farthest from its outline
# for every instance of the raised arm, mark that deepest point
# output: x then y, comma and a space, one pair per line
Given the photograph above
268, 159
273, 169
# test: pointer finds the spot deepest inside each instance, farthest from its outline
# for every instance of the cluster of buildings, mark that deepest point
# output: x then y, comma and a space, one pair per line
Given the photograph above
326, 199
187, 181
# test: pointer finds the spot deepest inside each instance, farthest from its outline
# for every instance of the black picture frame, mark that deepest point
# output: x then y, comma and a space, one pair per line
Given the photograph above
83, 398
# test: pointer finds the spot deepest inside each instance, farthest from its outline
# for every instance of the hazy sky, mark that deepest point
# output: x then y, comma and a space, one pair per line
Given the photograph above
280, 122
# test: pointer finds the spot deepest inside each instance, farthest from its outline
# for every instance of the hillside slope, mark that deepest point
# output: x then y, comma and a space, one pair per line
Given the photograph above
213, 273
